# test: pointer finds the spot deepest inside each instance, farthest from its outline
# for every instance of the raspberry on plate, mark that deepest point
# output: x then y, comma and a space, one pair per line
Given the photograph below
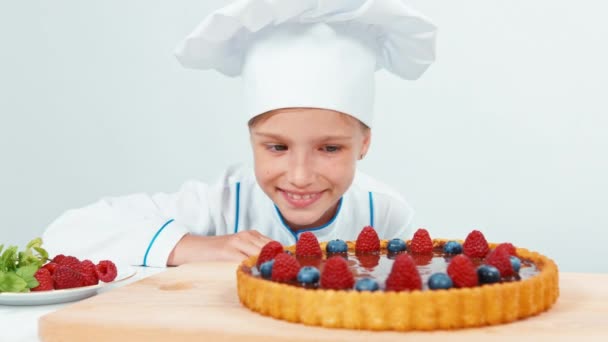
66, 278
45, 280
106, 271
88, 270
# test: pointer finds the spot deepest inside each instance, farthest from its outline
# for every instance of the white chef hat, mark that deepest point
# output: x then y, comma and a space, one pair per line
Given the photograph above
311, 53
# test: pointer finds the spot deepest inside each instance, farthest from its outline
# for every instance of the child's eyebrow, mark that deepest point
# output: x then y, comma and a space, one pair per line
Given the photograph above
321, 139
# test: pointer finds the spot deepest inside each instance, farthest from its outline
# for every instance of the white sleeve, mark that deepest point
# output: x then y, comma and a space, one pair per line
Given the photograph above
140, 229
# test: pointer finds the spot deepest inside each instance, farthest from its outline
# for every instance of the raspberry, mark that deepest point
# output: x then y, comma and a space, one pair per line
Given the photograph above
421, 242
508, 247
285, 267
51, 266
462, 271
58, 258
404, 275
308, 245
368, 240
45, 280
66, 278
106, 271
69, 261
89, 273
269, 251
336, 274
475, 245
501, 259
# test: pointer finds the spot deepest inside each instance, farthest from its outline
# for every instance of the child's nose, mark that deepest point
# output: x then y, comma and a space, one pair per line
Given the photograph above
300, 171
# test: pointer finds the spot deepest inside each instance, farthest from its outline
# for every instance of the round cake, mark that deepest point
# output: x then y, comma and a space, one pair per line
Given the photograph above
418, 284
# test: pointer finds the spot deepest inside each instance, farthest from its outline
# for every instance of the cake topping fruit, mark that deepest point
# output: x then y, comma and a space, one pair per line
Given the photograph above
269, 251
266, 269
308, 245
336, 274
508, 247
308, 275
440, 281
368, 240
285, 267
421, 242
367, 284
488, 274
501, 259
396, 246
462, 271
452, 247
475, 245
515, 263
404, 275
336, 246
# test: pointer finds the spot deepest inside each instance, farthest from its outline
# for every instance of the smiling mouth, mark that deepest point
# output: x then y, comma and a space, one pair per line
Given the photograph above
300, 200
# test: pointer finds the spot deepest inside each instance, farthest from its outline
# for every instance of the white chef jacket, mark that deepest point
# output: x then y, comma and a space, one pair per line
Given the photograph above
143, 229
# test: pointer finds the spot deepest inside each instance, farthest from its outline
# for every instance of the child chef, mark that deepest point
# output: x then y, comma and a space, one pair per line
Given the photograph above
308, 73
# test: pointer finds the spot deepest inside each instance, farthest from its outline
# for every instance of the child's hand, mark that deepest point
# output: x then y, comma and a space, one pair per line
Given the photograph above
233, 247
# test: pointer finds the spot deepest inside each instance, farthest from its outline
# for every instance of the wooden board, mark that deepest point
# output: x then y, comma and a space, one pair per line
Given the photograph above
199, 302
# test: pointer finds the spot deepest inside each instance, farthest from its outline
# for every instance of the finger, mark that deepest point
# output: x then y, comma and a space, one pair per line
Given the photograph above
248, 247
234, 255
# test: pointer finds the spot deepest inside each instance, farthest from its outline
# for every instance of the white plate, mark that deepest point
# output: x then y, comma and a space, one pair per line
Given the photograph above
63, 296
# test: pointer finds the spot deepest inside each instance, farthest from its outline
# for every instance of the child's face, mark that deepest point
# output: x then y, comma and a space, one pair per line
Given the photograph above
305, 160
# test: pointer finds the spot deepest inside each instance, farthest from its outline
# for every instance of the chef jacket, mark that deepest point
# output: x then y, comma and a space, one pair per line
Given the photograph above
143, 229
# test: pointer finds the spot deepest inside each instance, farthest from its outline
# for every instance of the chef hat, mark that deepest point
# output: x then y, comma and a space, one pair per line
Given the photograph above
311, 53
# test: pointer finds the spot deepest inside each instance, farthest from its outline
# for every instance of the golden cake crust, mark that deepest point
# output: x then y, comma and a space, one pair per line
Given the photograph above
403, 311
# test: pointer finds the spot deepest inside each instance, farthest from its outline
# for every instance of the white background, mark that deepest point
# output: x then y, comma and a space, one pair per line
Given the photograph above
505, 133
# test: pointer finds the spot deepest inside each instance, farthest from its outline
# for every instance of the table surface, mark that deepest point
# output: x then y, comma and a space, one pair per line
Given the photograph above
26, 317
582, 296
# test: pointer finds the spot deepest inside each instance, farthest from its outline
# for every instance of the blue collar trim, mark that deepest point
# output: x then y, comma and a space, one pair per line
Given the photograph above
295, 235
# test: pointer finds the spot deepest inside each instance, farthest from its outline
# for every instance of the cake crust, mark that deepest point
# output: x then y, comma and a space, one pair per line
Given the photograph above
403, 311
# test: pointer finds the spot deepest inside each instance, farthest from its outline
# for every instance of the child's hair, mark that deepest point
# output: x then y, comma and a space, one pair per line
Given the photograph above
264, 116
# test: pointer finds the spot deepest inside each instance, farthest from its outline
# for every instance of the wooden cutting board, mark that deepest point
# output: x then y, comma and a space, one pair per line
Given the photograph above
198, 302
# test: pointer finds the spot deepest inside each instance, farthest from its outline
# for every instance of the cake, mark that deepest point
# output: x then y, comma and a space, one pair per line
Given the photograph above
377, 284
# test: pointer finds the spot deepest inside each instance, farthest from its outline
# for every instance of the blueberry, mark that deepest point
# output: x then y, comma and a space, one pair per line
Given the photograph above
516, 263
396, 246
336, 246
266, 269
308, 275
452, 247
488, 274
366, 284
440, 281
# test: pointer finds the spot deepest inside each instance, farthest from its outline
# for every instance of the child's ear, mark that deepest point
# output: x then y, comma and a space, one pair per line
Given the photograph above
367, 140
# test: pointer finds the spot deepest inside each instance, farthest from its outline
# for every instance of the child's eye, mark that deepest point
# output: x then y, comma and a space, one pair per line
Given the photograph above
276, 147
331, 148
